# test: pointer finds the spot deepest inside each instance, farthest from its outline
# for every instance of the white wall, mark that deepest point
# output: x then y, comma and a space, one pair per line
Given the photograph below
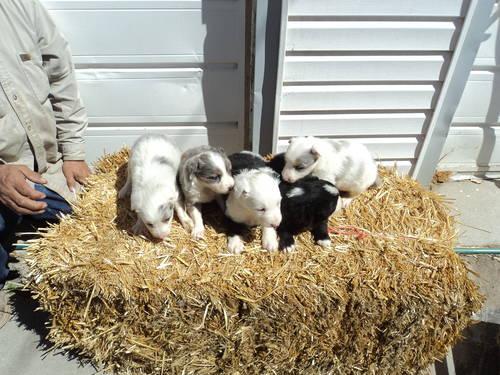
473, 143
170, 66
370, 70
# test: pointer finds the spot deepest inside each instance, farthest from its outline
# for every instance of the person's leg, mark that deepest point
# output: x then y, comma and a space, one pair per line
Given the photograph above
8, 222
56, 205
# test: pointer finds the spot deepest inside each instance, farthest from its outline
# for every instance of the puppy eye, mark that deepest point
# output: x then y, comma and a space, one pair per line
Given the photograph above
165, 221
300, 167
261, 209
215, 177
149, 224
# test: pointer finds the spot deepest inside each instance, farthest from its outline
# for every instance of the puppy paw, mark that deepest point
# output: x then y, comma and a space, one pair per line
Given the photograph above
324, 243
198, 232
346, 202
187, 224
235, 245
269, 240
289, 249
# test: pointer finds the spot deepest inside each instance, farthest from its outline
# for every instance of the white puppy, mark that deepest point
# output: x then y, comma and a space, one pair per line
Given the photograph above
151, 183
254, 201
347, 165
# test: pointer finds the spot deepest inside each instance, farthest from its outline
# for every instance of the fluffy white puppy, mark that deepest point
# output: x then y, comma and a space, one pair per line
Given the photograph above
151, 183
347, 165
254, 201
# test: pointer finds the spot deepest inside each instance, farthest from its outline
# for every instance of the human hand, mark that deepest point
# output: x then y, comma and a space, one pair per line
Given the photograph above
75, 171
17, 194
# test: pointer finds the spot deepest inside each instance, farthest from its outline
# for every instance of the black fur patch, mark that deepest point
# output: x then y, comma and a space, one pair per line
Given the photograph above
308, 211
277, 163
245, 160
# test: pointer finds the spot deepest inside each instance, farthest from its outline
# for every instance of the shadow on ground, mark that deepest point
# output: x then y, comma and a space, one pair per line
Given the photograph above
27, 314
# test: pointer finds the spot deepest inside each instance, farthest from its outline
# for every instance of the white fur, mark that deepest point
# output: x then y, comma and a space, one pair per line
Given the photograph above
331, 189
255, 201
269, 239
235, 244
152, 184
329, 164
226, 182
325, 243
295, 192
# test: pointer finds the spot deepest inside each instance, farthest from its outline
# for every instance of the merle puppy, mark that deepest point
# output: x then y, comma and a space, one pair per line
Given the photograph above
306, 205
204, 173
254, 201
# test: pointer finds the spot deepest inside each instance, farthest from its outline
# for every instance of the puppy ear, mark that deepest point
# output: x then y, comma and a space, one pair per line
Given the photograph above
227, 163
241, 189
314, 152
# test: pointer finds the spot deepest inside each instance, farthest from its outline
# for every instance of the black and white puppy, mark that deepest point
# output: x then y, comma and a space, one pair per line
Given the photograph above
204, 173
306, 205
346, 164
254, 201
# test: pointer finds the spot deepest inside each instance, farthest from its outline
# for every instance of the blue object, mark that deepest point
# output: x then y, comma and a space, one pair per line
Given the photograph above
9, 220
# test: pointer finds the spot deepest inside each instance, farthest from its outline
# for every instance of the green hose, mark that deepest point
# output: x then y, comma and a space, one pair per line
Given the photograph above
477, 250
458, 250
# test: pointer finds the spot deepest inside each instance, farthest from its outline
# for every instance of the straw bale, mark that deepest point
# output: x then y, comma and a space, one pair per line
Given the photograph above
389, 297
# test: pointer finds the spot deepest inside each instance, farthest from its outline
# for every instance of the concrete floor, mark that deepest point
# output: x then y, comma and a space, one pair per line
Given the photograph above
477, 207
23, 348
478, 210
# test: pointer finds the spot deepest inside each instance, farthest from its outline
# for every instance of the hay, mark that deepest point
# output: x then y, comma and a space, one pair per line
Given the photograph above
389, 297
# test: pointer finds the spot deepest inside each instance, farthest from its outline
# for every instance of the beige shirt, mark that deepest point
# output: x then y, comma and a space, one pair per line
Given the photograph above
42, 118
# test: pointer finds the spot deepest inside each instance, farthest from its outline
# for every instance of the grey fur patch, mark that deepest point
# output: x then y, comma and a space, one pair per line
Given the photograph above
206, 168
305, 160
296, 192
166, 210
196, 163
331, 189
162, 160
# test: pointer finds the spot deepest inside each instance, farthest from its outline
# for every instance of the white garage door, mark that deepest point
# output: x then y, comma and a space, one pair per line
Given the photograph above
473, 143
170, 66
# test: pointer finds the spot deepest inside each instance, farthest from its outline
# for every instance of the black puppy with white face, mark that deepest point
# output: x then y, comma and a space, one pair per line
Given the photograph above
306, 205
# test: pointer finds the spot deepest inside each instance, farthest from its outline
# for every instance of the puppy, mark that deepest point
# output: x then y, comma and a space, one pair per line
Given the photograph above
306, 205
151, 183
254, 201
204, 173
347, 165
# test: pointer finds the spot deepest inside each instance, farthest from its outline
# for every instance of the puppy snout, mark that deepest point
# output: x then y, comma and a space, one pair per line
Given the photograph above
287, 177
276, 221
